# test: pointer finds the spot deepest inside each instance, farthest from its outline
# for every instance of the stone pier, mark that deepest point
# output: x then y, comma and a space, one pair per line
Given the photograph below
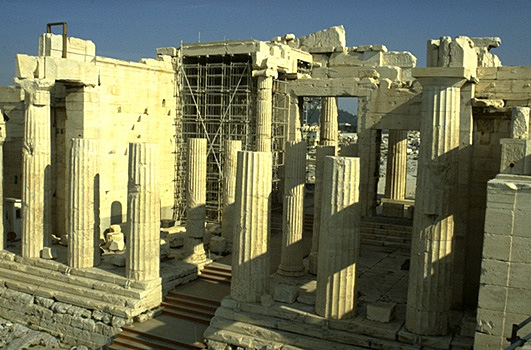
36, 168
228, 223
395, 178
321, 153
340, 239
196, 200
293, 210
2, 139
250, 258
329, 128
264, 105
82, 232
143, 213
430, 282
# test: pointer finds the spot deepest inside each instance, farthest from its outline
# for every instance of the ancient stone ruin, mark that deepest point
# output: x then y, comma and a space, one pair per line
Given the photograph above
124, 183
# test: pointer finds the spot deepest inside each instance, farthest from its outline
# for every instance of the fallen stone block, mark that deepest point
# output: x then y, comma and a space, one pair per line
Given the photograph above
286, 293
48, 253
218, 244
381, 312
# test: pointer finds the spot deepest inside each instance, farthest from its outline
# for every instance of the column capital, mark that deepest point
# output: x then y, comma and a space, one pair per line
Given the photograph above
37, 90
268, 72
442, 76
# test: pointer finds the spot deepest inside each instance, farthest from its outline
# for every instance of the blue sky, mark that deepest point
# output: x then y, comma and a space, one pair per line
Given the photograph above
133, 29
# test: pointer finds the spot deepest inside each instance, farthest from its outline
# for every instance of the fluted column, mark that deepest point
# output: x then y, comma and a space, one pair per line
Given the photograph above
293, 210
430, 282
143, 213
329, 128
36, 167
2, 139
81, 218
264, 105
395, 178
250, 258
195, 200
340, 239
321, 153
229, 217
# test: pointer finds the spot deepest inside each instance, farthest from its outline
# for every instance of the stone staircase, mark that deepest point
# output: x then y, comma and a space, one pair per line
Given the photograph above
386, 232
185, 314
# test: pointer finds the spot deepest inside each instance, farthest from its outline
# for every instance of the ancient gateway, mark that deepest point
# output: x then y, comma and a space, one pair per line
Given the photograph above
123, 181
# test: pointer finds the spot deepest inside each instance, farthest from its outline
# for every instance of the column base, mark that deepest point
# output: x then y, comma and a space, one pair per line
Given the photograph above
297, 272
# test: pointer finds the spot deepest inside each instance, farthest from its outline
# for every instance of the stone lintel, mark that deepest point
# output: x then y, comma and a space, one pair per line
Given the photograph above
442, 72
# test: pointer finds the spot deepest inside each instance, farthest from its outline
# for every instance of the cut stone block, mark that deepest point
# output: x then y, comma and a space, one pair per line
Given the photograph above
267, 300
48, 253
118, 260
515, 157
393, 210
381, 312
286, 293
218, 244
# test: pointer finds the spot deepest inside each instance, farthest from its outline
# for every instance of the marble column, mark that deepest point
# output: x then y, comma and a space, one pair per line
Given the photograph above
36, 167
143, 213
321, 153
340, 239
291, 254
430, 282
81, 219
229, 217
395, 178
329, 128
195, 200
2, 139
250, 256
264, 105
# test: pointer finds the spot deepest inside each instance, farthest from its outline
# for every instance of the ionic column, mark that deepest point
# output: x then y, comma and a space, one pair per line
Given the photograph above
81, 219
228, 223
143, 213
395, 178
264, 105
250, 258
196, 200
2, 139
430, 283
329, 128
340, 239
36, 168
321, 153
293, 210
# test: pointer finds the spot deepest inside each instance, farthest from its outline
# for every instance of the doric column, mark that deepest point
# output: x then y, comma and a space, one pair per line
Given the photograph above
250, 258
395, 178
430, 283
329, 128
228, 222
36, 167
340, 239
321, 153
195, 200
143, 213
81, 228
2, 139
293, 210
264, 105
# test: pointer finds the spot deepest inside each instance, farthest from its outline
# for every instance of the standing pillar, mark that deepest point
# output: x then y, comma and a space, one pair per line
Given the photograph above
2, 139
81, 219
229, 216
36, 169
196, 200
329, 128
395, 178
321, 153
264, 105
293, 210
143, 214
340, 239
430, 283
250, 259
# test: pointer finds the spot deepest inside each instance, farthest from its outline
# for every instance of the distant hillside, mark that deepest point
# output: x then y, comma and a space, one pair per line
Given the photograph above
342, 117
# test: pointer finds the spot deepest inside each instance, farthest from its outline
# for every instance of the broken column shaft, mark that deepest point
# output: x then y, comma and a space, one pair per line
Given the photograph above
264, 104
250, 257
229, 216
395, 178
36, 170
430, 283
196, 200
293, 210
328, 127
143, 214
339, 240
321, 153
81, 219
